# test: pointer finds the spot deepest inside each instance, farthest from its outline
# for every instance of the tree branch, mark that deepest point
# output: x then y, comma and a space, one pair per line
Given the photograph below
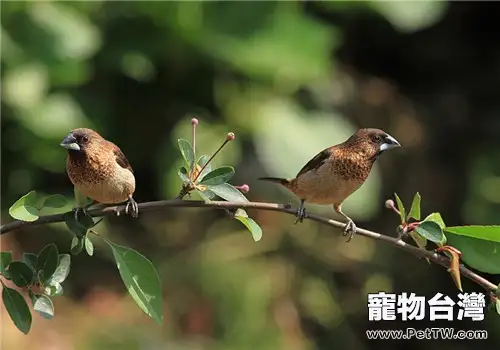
149, 206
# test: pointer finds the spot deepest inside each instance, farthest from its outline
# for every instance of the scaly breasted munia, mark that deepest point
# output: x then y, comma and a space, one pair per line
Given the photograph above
99, 170
338, 171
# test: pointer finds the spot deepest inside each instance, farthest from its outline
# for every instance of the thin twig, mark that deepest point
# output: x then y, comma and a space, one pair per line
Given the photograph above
283, 208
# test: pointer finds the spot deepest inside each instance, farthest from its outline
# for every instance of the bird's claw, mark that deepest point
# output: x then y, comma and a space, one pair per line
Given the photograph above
132, 208
301, 214
350, 229
77, 211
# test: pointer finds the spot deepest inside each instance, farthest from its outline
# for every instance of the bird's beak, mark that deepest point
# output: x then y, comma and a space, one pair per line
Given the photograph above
389, 143
69, 142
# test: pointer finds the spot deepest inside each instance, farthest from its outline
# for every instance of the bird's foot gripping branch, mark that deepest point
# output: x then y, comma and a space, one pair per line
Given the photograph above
41, 275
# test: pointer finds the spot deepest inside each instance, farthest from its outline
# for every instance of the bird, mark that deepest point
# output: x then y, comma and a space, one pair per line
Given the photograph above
336, 172
99, 170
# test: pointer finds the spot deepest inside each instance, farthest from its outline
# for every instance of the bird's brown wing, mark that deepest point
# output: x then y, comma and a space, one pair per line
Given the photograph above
122, 160
316, 162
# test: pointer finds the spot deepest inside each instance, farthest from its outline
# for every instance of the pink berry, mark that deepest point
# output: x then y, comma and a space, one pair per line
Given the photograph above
194, 121
244, 188
230, 136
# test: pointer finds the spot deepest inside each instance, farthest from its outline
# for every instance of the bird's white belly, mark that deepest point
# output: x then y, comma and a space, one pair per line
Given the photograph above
113, 189
324, 189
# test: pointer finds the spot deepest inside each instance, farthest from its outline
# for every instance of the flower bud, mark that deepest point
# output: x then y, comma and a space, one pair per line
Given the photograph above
243, 188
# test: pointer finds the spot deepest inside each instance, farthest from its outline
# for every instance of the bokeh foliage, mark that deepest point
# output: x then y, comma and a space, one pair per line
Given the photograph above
289, 79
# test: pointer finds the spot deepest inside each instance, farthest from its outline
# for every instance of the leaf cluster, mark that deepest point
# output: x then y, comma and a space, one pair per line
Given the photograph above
478, 246
41, 275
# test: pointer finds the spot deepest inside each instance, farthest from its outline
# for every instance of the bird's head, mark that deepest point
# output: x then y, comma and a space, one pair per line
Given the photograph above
80, 140
372, 142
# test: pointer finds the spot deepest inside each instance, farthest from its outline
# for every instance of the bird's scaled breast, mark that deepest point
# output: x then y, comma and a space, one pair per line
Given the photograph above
105, 183
333, 182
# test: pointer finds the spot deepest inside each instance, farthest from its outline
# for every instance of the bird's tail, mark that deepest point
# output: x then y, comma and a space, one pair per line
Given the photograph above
282, 181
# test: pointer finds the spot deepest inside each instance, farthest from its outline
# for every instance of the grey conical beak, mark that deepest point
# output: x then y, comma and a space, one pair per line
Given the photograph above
69, 142
389, 143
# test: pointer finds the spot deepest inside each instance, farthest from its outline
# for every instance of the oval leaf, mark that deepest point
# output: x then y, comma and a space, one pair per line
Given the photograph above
141, 279
251, 225
401, 208
186, 151
228, 192
55, 201
431, 231
415, 207
25, 208
80, 228
76, 245
89, 247
62, 270
17, 308
20, 273
30, 259
205, 194
479, 246
43, 305
218, 176
183, 174
48, 260
436, 217
5, 259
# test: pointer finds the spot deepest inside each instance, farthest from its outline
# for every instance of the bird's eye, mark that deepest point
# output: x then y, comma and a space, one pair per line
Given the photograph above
376, 138
85, 138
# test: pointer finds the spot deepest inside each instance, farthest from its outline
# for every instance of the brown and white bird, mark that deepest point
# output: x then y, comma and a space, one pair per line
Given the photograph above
338, 171
99, 170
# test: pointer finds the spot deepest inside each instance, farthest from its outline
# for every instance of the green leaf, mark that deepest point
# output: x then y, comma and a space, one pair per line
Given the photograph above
497, 305
80, 228
228, 192
62, 270
201, 162
43, 305
48, 260
419, 240
206, 194
183, 174
401, 208
480, 246
25, 208
415, 207
76, 245
89, 247
55, 201
218, 176
53, 289
488, 233
17, 308
5, 259
186, 151
141, 279
431, 231
250, 224
20, 273
31, 260
436, 217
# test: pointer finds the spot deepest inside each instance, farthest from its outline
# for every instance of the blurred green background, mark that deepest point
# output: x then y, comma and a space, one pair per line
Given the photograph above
289, 78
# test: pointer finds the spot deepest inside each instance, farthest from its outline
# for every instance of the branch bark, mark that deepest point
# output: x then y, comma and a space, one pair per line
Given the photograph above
157, 205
